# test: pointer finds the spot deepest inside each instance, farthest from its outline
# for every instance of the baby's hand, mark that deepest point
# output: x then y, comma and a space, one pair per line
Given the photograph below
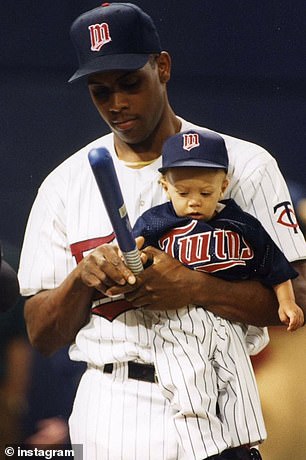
291, 315
139, 243
144, 257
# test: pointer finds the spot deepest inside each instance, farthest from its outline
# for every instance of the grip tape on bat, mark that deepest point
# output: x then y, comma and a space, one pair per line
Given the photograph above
104, 171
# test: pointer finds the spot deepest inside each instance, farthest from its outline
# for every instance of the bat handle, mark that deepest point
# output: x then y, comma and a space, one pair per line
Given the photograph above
133, 261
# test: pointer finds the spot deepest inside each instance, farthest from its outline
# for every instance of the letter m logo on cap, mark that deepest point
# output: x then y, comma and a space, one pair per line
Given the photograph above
99, 36
190, 141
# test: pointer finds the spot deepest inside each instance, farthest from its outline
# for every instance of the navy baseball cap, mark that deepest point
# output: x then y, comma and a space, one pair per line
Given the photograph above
114, 36
194, 148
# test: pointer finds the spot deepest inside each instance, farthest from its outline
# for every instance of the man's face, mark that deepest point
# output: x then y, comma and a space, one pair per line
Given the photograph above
131, 103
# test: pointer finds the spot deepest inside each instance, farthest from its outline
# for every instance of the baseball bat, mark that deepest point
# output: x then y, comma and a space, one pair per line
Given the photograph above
103, 169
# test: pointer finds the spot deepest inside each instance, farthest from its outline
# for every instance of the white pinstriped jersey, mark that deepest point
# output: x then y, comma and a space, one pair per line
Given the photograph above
68, 212
204, 370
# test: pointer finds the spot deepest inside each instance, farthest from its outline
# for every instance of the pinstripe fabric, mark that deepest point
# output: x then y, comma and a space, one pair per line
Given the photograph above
204, 370
122, 419
68, 210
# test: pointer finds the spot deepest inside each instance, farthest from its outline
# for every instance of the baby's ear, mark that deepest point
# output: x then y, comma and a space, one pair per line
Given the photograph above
163, 182
225, 184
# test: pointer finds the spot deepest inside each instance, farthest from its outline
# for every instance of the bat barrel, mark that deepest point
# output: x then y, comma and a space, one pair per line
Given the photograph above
102, 165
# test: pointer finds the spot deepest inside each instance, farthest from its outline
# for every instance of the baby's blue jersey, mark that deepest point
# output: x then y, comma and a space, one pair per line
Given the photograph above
233, 245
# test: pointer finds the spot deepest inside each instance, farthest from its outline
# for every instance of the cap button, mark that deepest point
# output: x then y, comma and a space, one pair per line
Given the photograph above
105, 4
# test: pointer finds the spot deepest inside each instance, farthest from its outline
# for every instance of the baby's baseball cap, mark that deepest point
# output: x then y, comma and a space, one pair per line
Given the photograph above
114, 36
203, 149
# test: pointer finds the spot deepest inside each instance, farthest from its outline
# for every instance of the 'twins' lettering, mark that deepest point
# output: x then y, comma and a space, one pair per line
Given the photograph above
209, 251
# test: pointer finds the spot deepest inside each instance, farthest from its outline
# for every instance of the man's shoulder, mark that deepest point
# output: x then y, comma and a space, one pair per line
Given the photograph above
82, 154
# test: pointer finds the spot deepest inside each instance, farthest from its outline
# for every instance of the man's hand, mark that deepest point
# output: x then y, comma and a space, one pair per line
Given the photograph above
55, 316
165, 284
103, 268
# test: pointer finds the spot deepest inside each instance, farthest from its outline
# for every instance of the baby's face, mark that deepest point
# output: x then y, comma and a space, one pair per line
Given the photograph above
195, 192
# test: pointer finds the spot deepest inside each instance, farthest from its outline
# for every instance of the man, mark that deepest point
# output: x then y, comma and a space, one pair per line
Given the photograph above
119, 412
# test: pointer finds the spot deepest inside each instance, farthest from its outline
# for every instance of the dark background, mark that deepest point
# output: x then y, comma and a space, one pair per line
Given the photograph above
238, 67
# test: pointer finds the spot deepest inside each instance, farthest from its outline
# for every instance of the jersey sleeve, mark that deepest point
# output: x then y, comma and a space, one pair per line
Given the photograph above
273, 267
43, 261
262, 191
139, 227
269, 263
142, 227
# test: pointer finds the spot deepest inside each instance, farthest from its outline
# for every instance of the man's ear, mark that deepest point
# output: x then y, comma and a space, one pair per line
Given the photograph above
164, 66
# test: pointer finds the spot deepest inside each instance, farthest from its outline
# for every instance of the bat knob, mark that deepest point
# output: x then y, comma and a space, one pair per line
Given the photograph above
99, 157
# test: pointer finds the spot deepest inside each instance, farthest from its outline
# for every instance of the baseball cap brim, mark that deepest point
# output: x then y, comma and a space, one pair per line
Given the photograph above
192, 163
111, 62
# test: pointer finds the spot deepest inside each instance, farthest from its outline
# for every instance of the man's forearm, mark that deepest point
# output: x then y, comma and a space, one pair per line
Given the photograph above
244, 301
249, 301
54, 317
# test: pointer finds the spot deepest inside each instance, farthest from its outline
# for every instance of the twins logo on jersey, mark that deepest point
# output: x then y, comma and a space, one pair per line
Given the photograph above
209, 251
99, 36
80, 249
102, 305
286, 215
